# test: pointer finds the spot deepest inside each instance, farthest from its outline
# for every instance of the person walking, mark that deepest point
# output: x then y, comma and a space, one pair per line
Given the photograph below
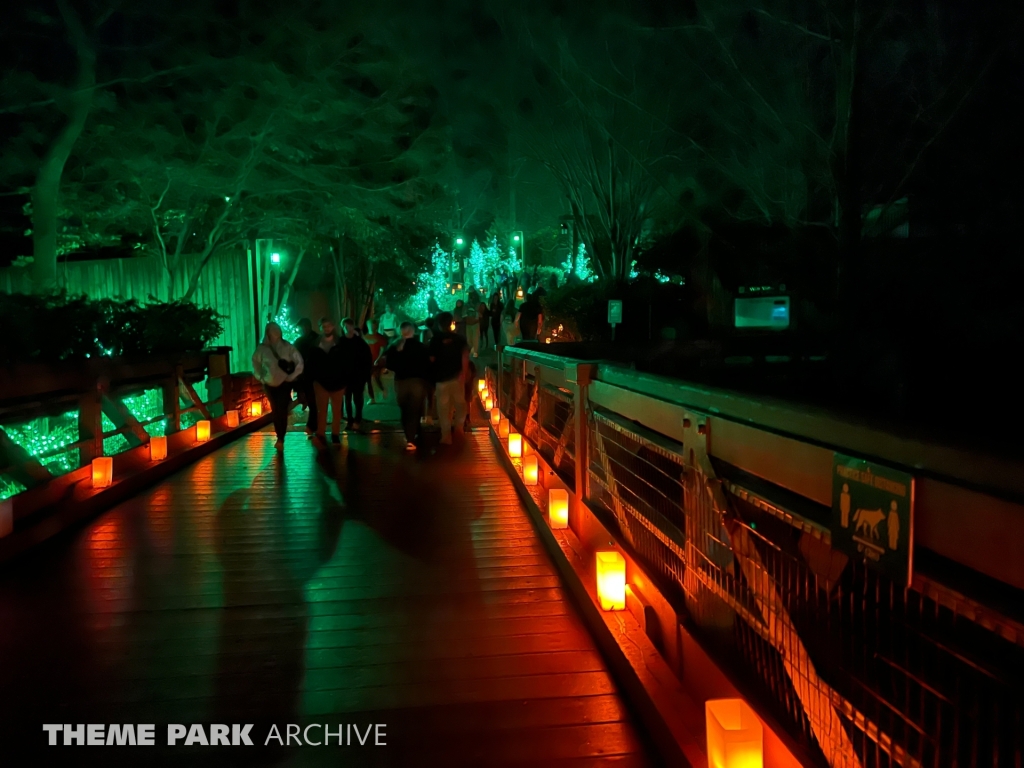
328, 381
459, 315
509, 331
358, 368
388, 324
496, 310
409, 360
449, 357
307, 345
377, 341
530, 319
276, 364
472, 324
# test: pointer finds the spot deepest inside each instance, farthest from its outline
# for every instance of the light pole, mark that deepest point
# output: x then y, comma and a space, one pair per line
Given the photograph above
519, 242
459, 279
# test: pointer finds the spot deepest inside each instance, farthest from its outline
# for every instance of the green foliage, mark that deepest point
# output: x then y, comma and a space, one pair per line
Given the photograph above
580, 308
42, 436
435, 283
144, 406
62, 327
289, 330
492, 267
9, 488
584, 272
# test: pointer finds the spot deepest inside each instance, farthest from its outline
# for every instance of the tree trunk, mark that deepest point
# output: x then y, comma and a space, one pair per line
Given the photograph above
291, 282
46, 189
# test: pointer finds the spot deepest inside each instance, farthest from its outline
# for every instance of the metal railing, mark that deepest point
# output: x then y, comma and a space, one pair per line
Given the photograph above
864, 670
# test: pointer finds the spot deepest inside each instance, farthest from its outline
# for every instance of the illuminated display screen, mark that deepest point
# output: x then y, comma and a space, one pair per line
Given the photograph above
771, 312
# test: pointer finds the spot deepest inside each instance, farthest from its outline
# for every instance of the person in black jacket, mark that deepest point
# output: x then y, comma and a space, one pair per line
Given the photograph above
308, 344
358, 369
409, 360
329, 379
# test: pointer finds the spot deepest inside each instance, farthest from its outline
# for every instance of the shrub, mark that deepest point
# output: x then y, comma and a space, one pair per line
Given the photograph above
649, 308
62, 327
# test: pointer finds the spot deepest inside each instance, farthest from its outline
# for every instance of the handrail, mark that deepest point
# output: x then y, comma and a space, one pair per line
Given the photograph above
812, 424
88, 384
725, 500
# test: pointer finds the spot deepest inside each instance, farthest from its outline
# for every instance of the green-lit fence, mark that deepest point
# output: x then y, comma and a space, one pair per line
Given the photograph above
70, 416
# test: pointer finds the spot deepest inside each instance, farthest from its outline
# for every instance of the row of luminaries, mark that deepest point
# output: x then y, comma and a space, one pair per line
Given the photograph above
734, 732
611, 566
103, 466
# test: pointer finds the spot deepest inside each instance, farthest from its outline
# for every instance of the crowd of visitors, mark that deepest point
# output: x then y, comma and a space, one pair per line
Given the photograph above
330, 369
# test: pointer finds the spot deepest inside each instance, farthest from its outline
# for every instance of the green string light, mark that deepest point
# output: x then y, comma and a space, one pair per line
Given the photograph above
46, 434
9, 488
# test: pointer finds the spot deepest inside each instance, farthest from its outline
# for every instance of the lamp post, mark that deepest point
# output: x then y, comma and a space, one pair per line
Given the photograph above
519, 242
459, 279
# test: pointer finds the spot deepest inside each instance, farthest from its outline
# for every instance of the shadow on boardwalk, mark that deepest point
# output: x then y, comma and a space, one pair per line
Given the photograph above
356, 586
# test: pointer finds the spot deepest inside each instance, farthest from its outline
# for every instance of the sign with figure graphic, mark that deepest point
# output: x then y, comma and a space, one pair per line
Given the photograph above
873, 515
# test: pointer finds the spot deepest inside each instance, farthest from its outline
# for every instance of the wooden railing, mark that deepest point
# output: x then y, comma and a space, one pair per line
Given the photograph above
727, 503
94, 389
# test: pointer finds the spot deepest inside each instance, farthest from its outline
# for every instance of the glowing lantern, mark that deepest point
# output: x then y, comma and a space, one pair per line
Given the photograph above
558, 507
495, 416
488, 404
530, 469
481, 385
611, 581
202, 431
503, 428
515, 445
232, 418
735, 735
157, 448
102, 472
256, 408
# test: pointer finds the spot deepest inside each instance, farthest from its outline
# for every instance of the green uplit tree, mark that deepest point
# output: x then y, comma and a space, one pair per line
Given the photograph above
434, 284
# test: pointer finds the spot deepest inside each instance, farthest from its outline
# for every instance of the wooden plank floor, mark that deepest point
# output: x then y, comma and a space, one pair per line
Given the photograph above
366, 586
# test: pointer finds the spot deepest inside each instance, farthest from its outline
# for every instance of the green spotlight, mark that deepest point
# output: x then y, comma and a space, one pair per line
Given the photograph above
275, 258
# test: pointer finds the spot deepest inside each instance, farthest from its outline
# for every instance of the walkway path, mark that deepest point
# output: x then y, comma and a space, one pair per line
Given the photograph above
367, 586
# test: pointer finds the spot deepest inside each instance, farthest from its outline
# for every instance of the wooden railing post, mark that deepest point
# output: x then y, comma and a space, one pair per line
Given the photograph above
172, 400
580, 376
90, 426
216, 383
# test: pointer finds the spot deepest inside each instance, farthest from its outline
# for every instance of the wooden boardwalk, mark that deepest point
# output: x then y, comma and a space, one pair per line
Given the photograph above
366, 586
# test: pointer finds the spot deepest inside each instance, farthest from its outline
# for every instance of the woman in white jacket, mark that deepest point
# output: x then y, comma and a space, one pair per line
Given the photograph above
276, 365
